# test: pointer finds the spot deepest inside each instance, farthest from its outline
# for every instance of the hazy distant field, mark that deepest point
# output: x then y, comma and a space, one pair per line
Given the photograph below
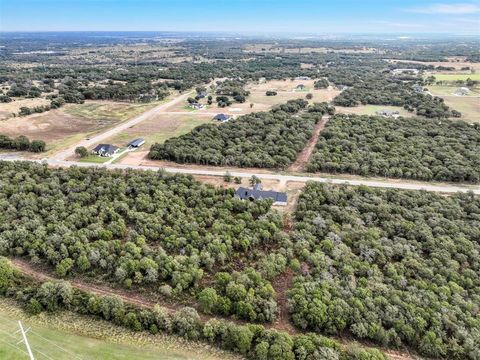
454, 77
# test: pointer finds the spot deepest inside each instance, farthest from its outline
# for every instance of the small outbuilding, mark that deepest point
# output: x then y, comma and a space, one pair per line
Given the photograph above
222, 117
105, 150
136, 143
257, 193
388, 113
300, 87
461, 91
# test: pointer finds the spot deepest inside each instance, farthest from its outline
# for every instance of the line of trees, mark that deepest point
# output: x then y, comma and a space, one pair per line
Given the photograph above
422, 149
21, 143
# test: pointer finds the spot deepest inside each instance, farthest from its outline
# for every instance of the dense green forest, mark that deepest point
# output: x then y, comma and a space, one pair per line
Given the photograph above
266, 139
251, 341
21, 143
422, 149
395, 267
145, 229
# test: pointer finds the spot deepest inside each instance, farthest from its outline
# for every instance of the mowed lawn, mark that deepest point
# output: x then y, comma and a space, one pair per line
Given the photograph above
67, 336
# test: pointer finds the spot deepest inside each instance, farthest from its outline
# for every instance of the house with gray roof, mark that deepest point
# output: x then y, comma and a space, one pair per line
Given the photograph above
105, 150
222, 117
257, 193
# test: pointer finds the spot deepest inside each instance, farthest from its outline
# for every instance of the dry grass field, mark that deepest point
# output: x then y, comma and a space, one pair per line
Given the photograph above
8, 110
468, 106
65, 126
371, 110
159, 128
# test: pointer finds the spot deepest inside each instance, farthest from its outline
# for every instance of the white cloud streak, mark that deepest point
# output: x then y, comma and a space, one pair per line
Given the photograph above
447, 9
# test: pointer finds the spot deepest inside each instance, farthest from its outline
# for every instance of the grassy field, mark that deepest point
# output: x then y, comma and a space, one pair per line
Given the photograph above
160, 128
371, 110
92, 158
72, 337
468, 106
109, 110
454, 77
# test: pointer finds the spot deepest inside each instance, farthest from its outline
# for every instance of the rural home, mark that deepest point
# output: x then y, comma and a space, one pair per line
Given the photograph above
201, 95
136, 143
302, 78
418, 88
257, 193
105, 150
197, 106
222, 117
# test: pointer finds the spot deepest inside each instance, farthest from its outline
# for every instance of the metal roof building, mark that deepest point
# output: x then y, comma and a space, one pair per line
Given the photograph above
136, 143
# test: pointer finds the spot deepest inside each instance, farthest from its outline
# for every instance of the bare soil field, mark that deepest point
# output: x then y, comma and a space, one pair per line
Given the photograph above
160, 127
51, 126
8, 110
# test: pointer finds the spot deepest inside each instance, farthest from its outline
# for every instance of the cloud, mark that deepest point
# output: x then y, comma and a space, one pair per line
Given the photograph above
447, 9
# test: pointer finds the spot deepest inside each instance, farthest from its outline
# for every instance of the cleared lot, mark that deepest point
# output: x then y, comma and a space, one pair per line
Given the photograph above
71, 123
159, 128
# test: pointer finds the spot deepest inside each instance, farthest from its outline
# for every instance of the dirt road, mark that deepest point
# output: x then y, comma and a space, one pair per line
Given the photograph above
134, 298
306, 153
62, 155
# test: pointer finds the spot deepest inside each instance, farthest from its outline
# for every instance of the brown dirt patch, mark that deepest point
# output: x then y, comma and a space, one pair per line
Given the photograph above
50, 126
11, 109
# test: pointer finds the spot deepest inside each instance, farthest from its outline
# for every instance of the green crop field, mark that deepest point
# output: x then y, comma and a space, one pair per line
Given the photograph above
72, 337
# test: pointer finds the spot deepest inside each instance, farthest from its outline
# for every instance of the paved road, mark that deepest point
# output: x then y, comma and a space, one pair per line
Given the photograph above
389, 184
94, 140
58, 159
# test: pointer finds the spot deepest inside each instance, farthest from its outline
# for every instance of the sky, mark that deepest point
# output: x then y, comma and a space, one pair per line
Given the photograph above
246, 16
